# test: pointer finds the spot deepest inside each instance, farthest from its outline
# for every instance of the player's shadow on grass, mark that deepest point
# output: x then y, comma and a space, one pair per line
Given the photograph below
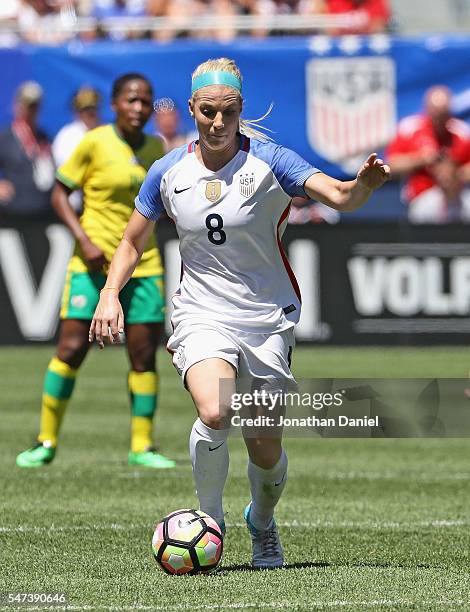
386, 565
246, 567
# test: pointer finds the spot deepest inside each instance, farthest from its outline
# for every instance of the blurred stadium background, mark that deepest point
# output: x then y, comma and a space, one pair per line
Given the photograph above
339, 82
366, 524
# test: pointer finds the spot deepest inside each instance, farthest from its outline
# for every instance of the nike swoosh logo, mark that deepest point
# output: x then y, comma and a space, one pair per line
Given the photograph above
181, 190
216, 447
183, 524
276, 484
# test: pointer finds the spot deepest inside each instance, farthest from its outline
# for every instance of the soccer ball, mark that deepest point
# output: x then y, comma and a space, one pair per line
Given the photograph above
187, 542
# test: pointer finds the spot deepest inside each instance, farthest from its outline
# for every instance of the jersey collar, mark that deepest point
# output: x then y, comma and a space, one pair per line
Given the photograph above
244, 144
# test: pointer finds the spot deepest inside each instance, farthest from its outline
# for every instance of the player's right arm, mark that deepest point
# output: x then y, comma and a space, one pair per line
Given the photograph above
92, 254
108, 320
73, 175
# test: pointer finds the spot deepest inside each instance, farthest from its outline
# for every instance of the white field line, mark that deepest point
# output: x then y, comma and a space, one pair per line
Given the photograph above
434, 524
405, 475
182, 472
272, 605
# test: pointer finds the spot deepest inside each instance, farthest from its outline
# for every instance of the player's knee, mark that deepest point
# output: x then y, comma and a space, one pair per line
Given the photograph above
264, 452
211, 416
142, 357
72, 351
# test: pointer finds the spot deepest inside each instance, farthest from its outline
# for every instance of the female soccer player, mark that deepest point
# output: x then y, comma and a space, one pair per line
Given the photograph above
238, 301
109, 165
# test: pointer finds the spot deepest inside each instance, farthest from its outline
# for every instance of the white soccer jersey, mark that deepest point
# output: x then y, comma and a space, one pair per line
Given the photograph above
230, 223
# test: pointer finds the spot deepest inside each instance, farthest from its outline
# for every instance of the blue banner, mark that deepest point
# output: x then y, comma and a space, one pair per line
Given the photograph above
335, 99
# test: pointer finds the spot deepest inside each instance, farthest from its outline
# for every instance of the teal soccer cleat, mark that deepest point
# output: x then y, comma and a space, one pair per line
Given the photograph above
267, 549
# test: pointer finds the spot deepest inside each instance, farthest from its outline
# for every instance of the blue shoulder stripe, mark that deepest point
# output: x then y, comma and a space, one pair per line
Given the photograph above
149, 202
289, 168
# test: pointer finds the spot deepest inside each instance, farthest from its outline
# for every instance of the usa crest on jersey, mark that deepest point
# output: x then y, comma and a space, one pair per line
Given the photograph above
350, 106
247, 185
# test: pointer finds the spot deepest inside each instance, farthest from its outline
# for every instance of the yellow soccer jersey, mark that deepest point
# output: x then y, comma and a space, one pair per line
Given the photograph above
110, 174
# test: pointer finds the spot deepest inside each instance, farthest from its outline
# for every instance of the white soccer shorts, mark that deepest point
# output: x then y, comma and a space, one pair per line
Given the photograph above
254, 356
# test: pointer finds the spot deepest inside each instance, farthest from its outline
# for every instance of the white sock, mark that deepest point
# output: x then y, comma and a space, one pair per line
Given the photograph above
209, 457
266, 489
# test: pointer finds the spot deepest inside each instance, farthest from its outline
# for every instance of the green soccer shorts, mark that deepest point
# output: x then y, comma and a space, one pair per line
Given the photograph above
142, 299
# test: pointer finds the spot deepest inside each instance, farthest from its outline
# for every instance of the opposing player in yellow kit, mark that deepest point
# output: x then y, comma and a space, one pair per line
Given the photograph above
109, 165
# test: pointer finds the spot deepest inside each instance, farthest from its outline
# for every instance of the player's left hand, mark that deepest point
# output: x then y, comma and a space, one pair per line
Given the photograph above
373, 173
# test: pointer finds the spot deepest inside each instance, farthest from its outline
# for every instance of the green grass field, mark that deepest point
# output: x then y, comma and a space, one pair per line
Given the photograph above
366, 524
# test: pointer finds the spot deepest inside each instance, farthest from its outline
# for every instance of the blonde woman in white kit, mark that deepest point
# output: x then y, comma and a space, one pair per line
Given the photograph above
229, 195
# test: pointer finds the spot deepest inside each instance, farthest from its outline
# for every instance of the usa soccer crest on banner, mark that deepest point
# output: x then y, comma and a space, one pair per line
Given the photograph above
351, 107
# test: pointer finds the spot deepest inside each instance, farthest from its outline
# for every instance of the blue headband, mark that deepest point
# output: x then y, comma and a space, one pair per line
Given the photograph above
216, 77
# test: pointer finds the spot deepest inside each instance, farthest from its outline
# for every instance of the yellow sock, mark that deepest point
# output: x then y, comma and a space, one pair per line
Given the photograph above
141, 433
59, 382
143, 388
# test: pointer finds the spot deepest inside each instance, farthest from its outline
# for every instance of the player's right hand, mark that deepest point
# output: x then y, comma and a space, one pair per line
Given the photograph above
93, 255
108, 320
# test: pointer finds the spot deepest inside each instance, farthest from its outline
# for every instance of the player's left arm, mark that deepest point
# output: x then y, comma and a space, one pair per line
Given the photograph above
346, 196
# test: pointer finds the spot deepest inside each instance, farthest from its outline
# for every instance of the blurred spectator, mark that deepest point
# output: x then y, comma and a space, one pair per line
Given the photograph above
46, 21
9, 10
176, 11
104, 9
85, 105
54, 21
168, 124
432, 152
367, 16
270, 8
181, 12
304, 210
8, 19
224, 9
115, 9
26, 164
84, 7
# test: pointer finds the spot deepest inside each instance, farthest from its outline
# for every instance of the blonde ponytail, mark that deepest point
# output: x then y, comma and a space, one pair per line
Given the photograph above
252, 127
